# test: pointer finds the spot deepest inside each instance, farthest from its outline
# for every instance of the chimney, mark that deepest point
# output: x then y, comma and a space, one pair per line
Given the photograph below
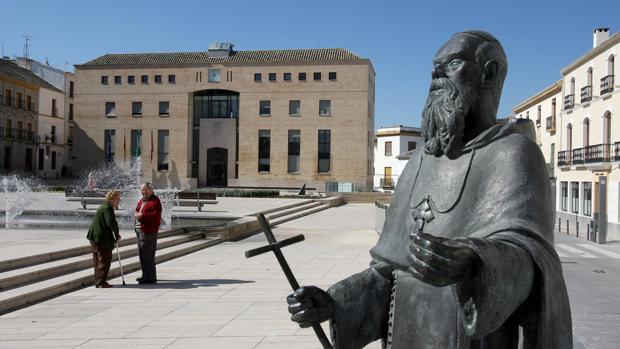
220, 49
600, 35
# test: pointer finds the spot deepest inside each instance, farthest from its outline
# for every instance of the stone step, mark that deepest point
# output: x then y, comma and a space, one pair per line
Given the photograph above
27, 261
304, 213
296, 209
40, 272
286, 207
19, 297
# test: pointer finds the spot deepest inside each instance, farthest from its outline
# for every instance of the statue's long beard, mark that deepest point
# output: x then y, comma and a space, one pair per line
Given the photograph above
443, 118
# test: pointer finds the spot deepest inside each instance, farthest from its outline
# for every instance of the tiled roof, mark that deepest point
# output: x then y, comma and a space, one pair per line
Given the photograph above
321, 54
16, 72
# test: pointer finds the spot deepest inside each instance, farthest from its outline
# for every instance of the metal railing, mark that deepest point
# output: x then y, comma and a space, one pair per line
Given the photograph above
607, 84
564, 157
586, 94
19, 104
578, 156
550, 126
569, 101
617, 151
598, 153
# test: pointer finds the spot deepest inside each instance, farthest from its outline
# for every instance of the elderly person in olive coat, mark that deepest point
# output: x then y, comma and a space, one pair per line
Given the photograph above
103, 233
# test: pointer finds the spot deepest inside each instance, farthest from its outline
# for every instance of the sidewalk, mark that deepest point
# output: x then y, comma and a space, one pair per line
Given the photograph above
214, 298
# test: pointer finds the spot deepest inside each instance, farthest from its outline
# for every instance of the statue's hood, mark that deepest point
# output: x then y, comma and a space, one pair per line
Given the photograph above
503, 128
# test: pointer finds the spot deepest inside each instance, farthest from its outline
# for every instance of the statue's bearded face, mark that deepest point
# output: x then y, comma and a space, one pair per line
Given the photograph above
443, 118
453, 95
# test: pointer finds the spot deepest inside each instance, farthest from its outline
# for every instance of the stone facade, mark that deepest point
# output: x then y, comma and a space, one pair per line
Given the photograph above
351, 119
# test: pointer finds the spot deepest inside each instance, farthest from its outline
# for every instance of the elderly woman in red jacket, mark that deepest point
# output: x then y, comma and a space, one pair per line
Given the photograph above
148, 217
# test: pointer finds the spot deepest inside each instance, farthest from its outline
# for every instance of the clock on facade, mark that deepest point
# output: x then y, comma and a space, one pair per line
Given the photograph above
214, 75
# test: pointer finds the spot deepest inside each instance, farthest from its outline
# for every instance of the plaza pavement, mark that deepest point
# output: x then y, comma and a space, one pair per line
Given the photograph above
215, 298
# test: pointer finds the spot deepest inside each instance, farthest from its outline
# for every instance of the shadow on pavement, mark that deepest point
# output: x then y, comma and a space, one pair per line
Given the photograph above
185, 284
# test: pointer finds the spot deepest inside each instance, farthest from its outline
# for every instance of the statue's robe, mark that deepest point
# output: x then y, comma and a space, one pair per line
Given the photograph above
496, 198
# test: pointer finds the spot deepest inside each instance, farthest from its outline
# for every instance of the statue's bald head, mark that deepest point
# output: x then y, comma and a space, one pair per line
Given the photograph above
488, 52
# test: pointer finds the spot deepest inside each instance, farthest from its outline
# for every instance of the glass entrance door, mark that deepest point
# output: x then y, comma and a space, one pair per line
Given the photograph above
217, 165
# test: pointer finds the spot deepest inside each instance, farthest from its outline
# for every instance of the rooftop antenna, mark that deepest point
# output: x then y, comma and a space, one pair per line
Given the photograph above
27, 49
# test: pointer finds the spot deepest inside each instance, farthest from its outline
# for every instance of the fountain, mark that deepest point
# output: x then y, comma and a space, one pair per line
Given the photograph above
17, 195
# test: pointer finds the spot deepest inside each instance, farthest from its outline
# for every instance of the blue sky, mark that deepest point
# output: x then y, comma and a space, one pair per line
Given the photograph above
400, 37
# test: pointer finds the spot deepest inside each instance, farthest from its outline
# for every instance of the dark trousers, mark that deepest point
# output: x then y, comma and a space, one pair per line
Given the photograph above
102, 258
147, 245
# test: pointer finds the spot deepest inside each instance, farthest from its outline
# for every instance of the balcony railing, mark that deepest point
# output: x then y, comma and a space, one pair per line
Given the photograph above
586, 94
550, 123
20, 104
598, 153
578, 156
590, 154
607, 84
564, 157
388, 182
569, 101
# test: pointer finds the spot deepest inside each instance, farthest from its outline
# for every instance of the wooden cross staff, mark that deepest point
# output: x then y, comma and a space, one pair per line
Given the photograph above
275, 247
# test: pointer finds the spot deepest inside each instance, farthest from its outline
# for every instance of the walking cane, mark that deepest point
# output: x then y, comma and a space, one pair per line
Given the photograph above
118, 255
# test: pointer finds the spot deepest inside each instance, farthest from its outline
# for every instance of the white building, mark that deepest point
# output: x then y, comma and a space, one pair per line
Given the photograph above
393, 148
579, 136
54, 115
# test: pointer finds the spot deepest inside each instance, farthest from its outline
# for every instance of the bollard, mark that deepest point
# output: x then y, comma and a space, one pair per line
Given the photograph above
588, 232
560, 225
567, 227
577, 228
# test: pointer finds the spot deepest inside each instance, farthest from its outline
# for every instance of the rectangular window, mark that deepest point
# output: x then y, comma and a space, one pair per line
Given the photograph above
70, 111
172, 79
110, 109
71, 89
20, 101
144, 79
53, 134
287, 76
136, 144
294, 142
574, 202
317, 76
29, 105
264, 150
158, 79
294, 107
265, 108
302, 76
272, 76
258, 77
324, 150
8, 96
388, 148
564, 198
117, 80
164, 108
587, 198
54, 109
136, 108
104, 79
109, 144
53, 160
131, 79
325, 107
163, 146
332, 76
411, 146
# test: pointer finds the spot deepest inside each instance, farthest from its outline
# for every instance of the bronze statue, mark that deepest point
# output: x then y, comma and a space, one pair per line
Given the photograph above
466, 256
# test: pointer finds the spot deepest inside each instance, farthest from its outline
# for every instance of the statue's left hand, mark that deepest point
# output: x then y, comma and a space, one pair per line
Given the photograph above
440, 261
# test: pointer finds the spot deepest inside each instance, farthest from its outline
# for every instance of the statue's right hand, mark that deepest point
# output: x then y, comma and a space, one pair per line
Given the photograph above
310, 305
